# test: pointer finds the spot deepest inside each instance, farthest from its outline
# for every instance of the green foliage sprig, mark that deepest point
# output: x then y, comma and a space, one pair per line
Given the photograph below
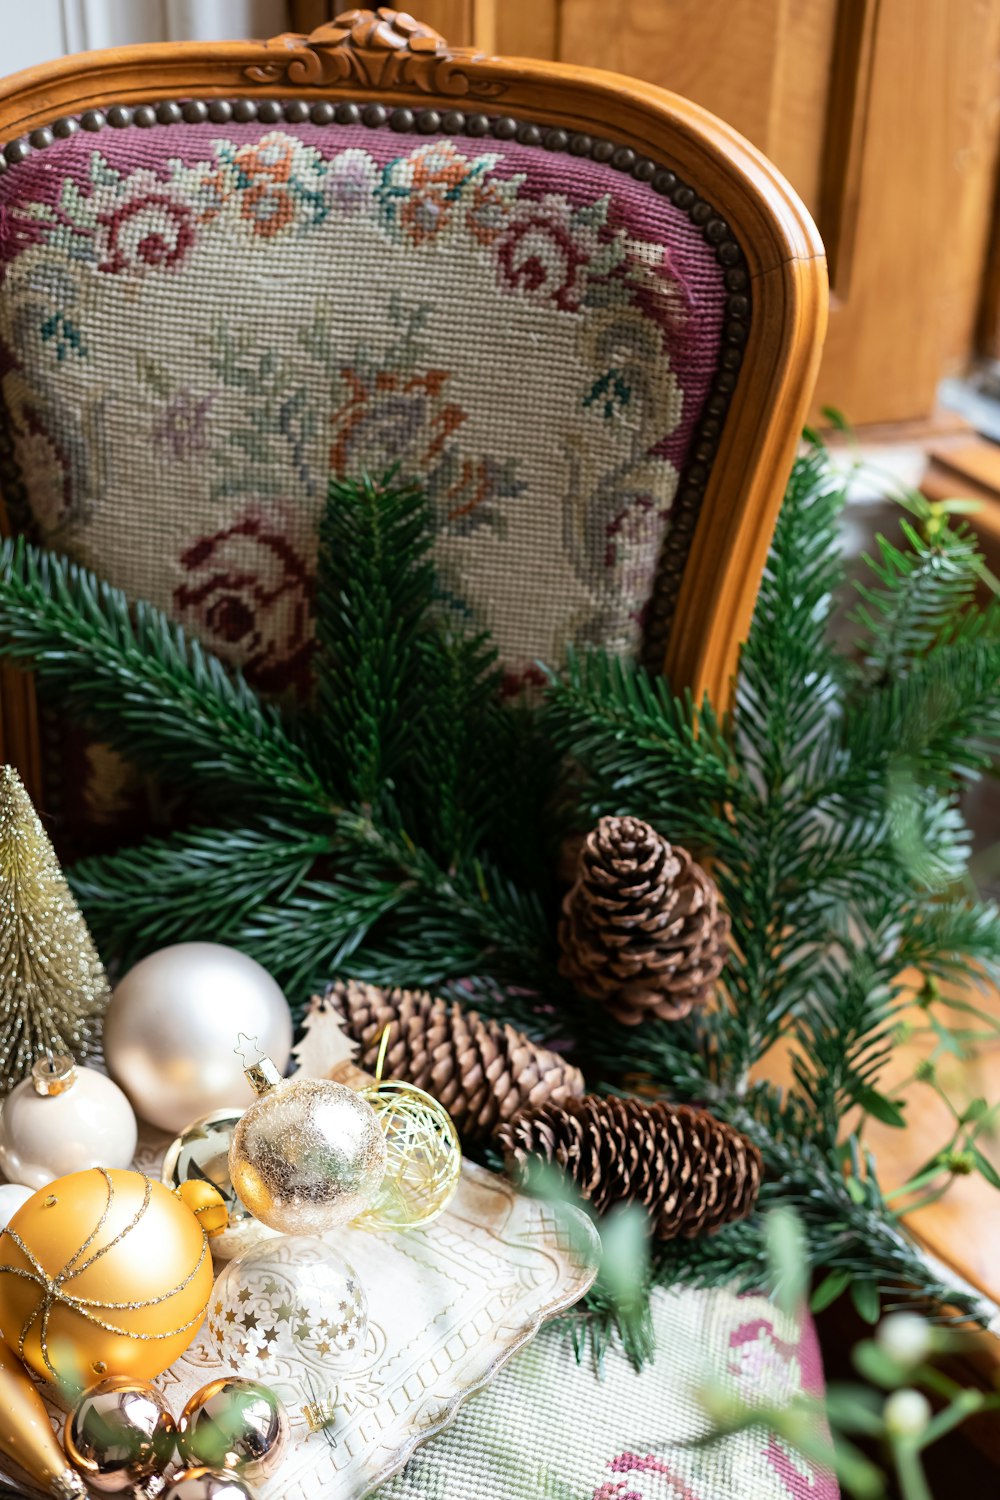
358, 838
404, 831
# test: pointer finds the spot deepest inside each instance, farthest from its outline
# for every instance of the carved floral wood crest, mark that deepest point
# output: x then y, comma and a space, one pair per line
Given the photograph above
375, 49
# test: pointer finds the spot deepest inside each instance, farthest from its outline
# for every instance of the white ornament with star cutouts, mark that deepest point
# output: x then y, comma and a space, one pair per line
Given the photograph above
291, 1312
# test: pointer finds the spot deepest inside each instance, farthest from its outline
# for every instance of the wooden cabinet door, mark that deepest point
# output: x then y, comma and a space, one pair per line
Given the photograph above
884, 114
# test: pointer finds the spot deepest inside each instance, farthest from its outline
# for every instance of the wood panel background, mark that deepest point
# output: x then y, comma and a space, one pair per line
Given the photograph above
883, 114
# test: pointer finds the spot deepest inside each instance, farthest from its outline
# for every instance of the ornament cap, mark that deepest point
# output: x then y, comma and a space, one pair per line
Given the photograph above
259, 1070
53, 1074
68, 1486
320, 1414
262, 1075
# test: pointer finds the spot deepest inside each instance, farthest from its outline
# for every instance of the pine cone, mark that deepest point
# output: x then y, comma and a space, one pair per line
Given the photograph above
641, 930
482, 1071
692, 1172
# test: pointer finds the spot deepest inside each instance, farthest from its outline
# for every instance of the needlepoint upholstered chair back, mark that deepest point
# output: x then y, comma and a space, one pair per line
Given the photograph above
585, 313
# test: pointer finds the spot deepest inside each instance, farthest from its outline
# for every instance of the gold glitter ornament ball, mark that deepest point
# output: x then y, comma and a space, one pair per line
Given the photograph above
424, 1156
308, 1154
102, 1273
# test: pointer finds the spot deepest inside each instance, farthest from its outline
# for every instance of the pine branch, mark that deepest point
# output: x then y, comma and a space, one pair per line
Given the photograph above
154, 694
845, 1035
200, 884
455, 800
943, 717
375, 587
316, 931
917, 597
951, 940
392, 916
788, 682
848, 1225
642, 749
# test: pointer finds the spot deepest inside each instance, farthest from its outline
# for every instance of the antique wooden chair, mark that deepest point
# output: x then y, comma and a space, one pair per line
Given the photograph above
584, 311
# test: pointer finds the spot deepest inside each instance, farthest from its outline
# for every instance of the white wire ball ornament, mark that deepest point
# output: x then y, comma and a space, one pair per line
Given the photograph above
423, 1153
292, 1313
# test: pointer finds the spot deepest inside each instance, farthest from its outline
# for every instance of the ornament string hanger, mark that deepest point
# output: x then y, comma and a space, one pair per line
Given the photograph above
383, 1048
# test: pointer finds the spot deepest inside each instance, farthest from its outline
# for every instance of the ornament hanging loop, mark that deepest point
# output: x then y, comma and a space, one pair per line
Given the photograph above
383, 1048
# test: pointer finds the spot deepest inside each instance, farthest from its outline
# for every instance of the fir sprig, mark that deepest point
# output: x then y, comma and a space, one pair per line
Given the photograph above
375, 588
135, 677
368, 828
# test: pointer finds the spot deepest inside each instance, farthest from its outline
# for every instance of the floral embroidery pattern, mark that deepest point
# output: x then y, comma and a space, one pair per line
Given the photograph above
551, 489
249, 595
767, 1371
182, 428
632, 1463
148, 229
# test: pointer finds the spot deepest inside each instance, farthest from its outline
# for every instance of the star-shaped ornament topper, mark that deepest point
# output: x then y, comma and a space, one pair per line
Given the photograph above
248, 1049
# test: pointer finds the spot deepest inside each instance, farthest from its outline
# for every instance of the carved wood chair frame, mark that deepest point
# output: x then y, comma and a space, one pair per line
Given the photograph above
383, 67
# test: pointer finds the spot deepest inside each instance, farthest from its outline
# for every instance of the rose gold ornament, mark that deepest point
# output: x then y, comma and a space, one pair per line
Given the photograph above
207, 1484
233, 1423
119, 1435
200, 1154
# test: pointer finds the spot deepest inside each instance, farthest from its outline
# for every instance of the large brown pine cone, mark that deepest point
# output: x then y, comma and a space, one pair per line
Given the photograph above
692, 1172
482, 1071
642, 930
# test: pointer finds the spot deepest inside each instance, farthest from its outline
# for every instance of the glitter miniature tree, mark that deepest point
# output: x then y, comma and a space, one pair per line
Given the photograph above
53, 988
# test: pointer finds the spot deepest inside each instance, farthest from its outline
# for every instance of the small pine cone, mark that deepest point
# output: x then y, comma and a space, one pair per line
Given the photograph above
689, 1170
481, 1070
642, 930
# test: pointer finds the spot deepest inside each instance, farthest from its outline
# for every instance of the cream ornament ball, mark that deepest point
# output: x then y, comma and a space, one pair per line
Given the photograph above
63, 1119
170, 1027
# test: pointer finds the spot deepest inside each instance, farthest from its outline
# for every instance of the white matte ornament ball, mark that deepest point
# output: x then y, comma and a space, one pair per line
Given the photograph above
64, 1119
12, 1195
173, 1022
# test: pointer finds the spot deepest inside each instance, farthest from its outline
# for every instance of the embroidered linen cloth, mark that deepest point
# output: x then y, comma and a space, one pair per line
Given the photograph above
551, 1429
